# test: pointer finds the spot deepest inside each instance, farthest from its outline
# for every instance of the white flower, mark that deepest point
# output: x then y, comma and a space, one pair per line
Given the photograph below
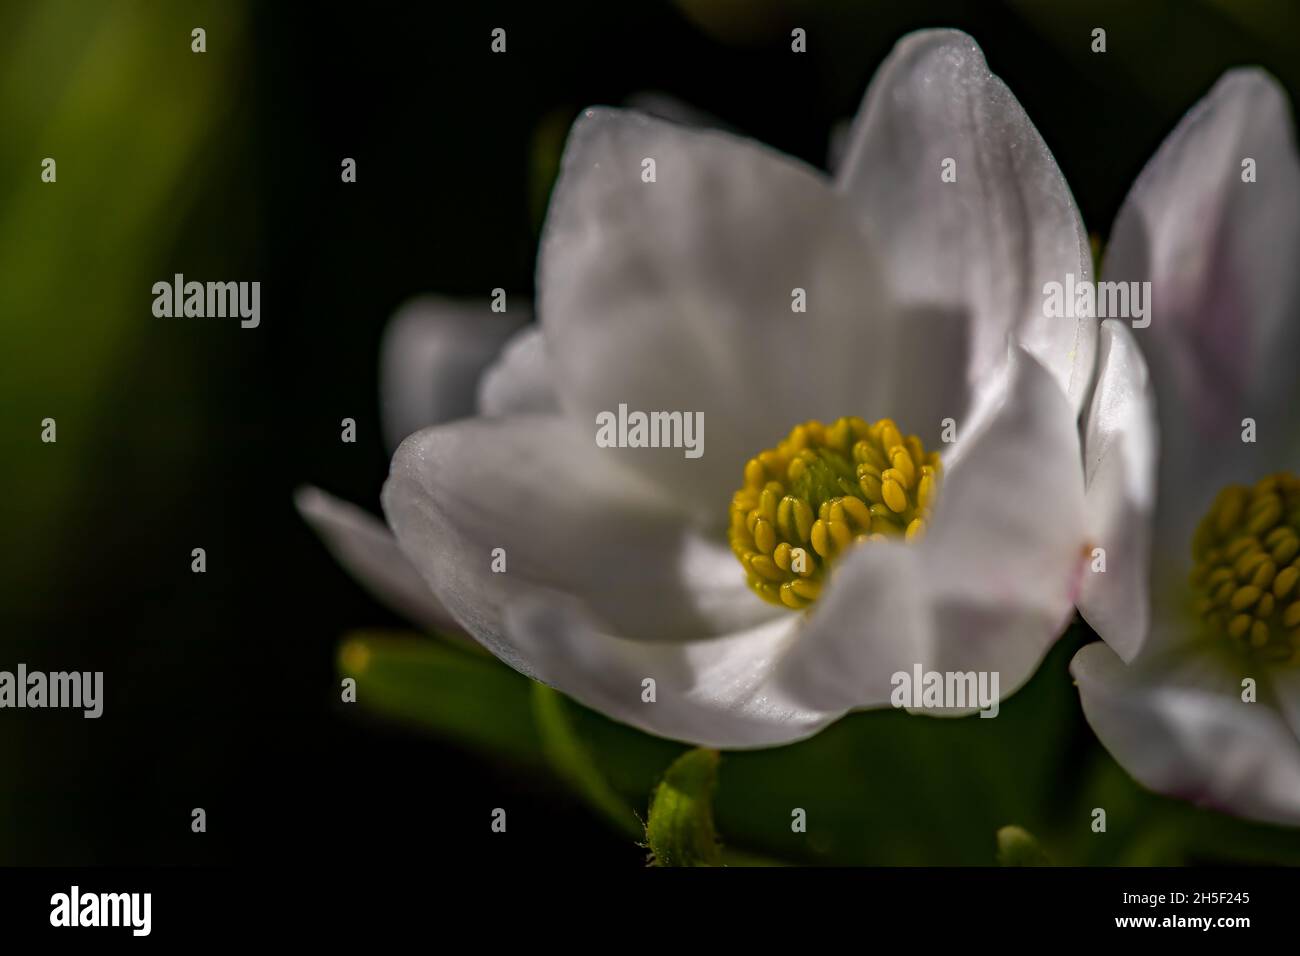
676, 295
1195, 613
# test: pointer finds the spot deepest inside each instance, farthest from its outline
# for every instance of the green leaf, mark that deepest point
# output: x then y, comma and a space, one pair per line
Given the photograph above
570, 760
680, 829
462, 696
1018, 847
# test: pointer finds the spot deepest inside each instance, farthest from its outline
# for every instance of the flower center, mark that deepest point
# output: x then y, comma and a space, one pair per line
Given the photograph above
818, 492
1247, 554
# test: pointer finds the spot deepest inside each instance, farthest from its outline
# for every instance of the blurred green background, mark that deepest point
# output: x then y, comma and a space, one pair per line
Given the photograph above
222, 688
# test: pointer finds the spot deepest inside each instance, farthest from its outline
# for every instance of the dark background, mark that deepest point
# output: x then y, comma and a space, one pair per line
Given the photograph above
222, 688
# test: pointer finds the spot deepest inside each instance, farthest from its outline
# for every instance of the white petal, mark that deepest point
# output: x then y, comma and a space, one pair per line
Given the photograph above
1004, 555
988, 589
369, 552
519, 381
432, 355
1120, 444
677, 295
870, 623
716, 693
566, 519
1221, 256
1179, 726
988, 241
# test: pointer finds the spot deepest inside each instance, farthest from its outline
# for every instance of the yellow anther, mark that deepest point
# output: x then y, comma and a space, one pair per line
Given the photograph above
766, 567
803, 520
857, 510
1264, 609
1264, 574
1264, 513
889, 434
1248, 562
781, 555
821, 538
806, 588
894, 495
785, 518
821, 491
1246, 577
926, 487
1277, 536
902, 462
1231, 505
1285, 582
790, 599
1217, 577
1291, 616
1238, 548
1243, 598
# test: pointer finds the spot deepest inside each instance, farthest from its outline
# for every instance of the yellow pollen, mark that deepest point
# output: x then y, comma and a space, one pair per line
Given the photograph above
823, 489
1247, 565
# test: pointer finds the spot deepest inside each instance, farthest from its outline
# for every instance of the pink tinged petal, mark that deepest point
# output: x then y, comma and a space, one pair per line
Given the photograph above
1179, 726
565, 519
716, 693
367, 550
1221, 256
433, 353
991, 585
992, 239
677, 295
519, 381
1120, 446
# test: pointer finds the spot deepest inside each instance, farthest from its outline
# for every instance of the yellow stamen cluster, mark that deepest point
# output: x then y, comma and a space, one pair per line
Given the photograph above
819, 491
1247, 554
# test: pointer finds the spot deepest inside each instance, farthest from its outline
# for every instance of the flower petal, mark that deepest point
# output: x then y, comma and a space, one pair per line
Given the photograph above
432, 355
1177, 723
566, 519
678, 294
989, 241
713, 693
870, 623
369, 552
1220, 254
1004, 554
519, 381
1120, 445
